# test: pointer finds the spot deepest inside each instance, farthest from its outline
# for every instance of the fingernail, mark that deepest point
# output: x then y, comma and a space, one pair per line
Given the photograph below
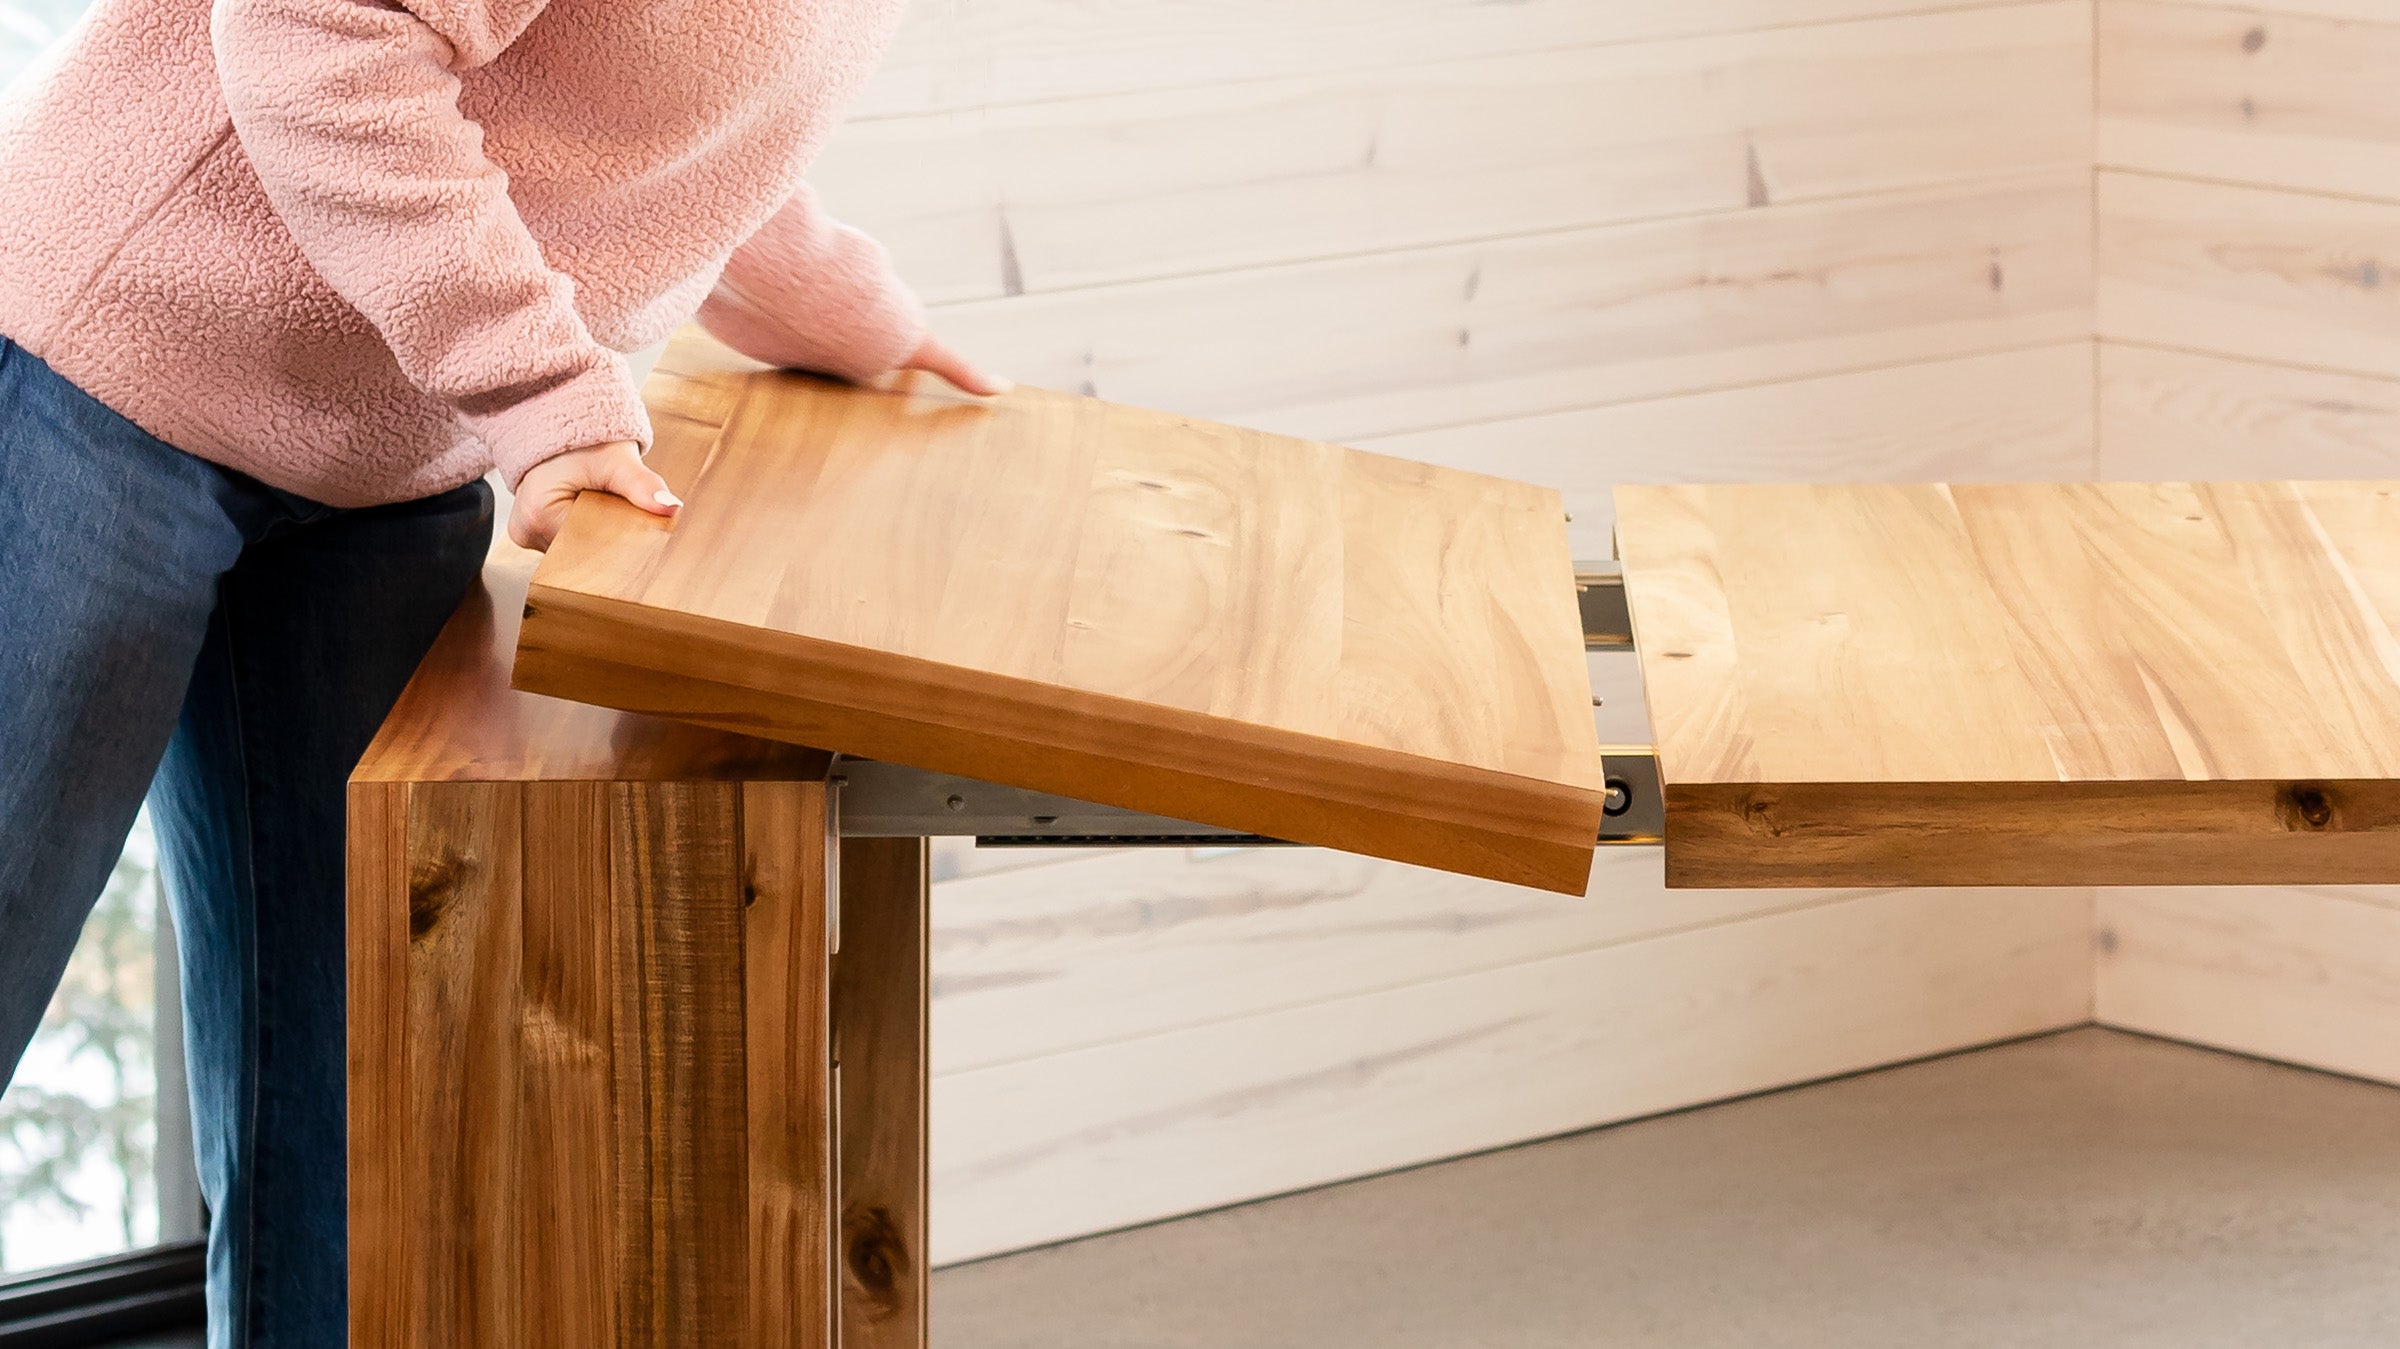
1001, 386
666, 498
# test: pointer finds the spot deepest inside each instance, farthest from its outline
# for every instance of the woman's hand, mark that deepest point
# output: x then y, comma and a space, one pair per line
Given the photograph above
549, 487
552, 485
935, 355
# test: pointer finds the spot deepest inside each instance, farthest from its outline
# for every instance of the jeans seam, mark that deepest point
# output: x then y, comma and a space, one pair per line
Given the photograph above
254, 1029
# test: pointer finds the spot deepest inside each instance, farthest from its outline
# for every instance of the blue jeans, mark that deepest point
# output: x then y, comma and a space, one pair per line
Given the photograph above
174, 627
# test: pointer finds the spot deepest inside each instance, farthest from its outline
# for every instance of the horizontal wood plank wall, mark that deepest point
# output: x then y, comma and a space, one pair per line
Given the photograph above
2248, 208
1994, 416
962, 54
1062, 194
2306, 976
1571, 242
2208, 416
2249, 316
1228, 1110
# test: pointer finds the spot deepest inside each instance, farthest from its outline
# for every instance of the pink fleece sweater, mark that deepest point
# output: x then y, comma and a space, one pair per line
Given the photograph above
366, 250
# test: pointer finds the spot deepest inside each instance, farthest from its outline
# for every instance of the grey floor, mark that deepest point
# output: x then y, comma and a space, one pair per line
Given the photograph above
2086, 1189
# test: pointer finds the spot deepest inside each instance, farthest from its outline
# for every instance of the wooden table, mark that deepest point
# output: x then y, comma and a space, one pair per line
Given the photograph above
637, 996
2069, 684
637, 1010
594, 1007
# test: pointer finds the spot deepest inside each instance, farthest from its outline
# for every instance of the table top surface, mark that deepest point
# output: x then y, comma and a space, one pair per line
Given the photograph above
459, 721
1115, 604
2156, 633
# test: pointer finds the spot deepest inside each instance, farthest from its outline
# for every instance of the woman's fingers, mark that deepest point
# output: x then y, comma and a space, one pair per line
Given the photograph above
937, 356
630, 478
551, 486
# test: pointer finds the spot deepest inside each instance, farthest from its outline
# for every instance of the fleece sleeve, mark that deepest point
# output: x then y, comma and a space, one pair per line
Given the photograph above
348, 111
811, 293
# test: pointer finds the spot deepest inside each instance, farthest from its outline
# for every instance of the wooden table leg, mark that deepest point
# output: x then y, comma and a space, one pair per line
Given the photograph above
879, 997
590, 1078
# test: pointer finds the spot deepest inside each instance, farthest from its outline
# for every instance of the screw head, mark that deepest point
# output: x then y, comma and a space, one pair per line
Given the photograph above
1617, 800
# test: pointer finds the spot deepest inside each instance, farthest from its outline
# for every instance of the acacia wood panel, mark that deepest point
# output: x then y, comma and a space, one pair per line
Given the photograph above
2224, 92
1122, 606
577, 1119
566, 1155
880, 1010
2277, 276
788, 1053
385, 1218
465, 933
2022, 684
458, 720
1180, 180
597, 1117
683, 1264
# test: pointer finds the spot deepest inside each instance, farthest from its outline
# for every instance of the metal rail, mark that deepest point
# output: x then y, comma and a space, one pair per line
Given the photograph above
1600, 594
888, 800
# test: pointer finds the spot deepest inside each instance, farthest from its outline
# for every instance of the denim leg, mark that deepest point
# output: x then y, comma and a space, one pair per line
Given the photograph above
316, 629
111, 543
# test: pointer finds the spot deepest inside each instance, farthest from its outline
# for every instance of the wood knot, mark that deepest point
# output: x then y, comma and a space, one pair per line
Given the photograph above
432, 884
1758, 813
875, 1251
2305, 806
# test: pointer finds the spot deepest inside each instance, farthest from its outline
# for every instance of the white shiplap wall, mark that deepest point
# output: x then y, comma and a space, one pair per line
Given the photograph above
2249, 324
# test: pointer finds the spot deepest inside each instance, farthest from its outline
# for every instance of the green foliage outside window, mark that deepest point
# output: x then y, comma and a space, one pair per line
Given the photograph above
78, 1139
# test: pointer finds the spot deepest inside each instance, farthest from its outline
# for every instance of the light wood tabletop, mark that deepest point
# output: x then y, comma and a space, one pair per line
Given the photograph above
1121, 606
2076, 683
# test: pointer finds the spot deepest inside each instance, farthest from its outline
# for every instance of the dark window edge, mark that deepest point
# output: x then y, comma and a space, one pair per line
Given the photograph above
96, 1301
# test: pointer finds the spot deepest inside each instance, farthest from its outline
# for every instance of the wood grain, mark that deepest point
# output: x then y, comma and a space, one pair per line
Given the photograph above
1181, 180
459, 721
1122, 606
2305, 976
464, 920
880, 1008
2010, 416
2085, 684
2229, 93
1343, 348
1067, 1144
2179, 413
683, 1268
786, 997
567, 1161
589, 1074
386, 1219
2277, 276
971, 54
1021, 958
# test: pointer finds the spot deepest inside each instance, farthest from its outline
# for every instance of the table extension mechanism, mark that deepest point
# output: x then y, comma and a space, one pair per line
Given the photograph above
889, 800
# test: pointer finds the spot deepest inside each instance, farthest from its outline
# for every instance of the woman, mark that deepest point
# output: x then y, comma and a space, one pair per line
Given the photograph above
280, 281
